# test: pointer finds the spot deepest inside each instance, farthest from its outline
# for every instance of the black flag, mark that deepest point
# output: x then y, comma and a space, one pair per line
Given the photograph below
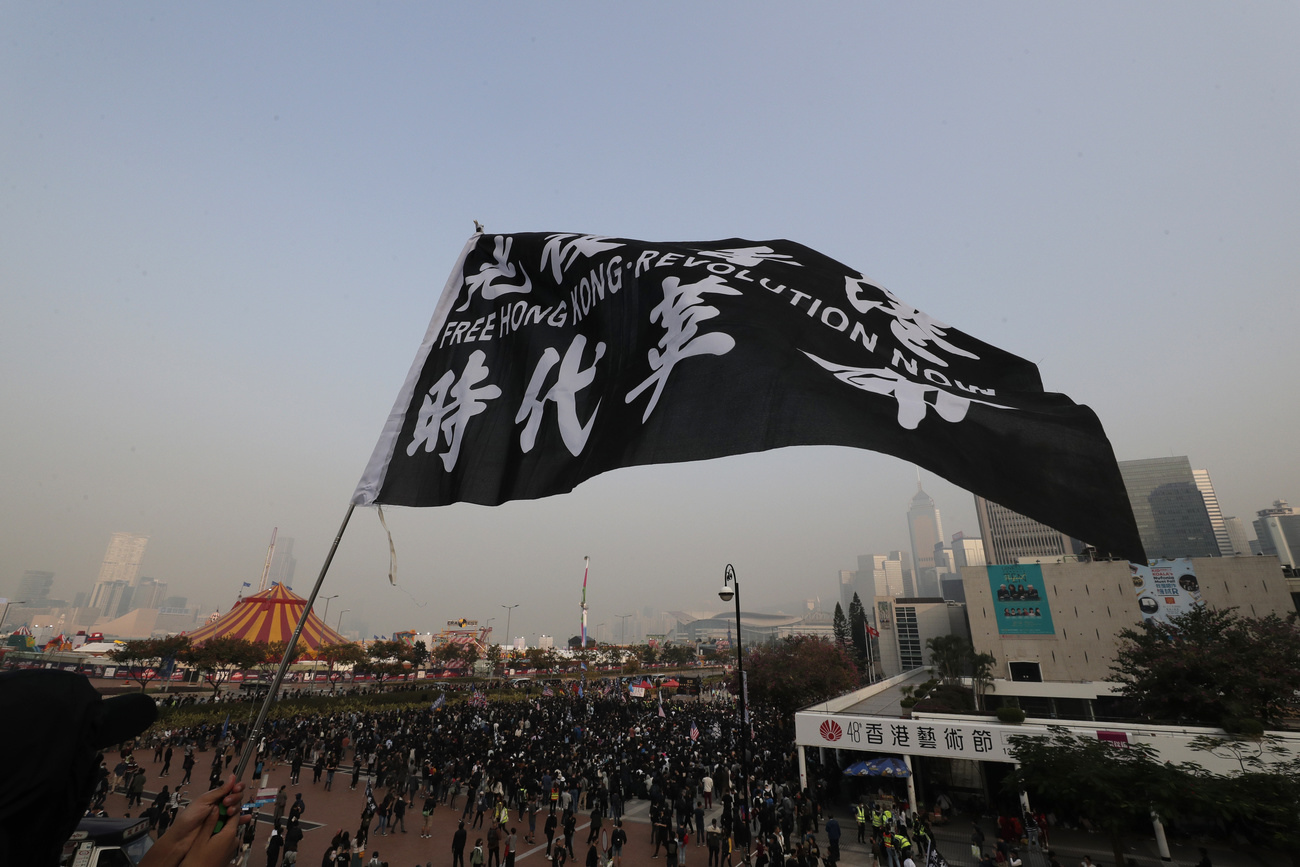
554, 357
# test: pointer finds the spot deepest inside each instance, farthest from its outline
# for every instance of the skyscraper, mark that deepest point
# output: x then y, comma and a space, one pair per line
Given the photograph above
283, 563
119, 571
1211, 499
1171, 513
1278, 531
1237, 535
1009, 536
887, 577
967, 552
926, 529
149, 593
35, 585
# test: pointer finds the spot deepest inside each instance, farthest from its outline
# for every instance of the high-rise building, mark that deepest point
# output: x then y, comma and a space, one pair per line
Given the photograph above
35, 585
967, 552
1237, 537
848, 586
149, 593
1009, 536
886, 577
1172, 517
283, 563
1278, 531
120, 569
1211, 499
926, 530
107, 597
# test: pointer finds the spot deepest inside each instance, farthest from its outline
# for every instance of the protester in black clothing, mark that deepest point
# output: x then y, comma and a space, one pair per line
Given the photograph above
458, 846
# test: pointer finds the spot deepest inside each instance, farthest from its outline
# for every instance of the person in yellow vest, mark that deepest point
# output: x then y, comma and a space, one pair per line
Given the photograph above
902, 845
860, 812
887, 841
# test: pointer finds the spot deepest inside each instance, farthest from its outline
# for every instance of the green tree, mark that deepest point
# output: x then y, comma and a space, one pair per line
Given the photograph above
419, 655
678, 654
949, 655
1263, 803
1116, 787
144, 657
649, 654
273, 652
340, 656
218, 658
1212, 666
536, 659
798, 671
982, 666
469, 654
387, 659
858, 630
494, 656
840, 623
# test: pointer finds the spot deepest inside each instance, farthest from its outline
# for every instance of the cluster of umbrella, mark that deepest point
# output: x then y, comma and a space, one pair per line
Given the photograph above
878, 767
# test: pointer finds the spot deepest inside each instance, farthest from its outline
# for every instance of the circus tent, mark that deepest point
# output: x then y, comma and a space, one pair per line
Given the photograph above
267, 617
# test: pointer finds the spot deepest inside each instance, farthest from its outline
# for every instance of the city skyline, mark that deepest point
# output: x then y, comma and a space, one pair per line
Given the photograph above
225, 233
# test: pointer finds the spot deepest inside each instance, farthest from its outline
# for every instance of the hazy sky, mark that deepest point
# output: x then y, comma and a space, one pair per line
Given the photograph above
223, 229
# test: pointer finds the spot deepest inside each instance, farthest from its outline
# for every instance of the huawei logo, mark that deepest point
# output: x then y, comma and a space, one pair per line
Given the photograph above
831, 730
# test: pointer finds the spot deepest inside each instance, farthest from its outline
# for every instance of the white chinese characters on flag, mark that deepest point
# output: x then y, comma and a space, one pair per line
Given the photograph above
554, 357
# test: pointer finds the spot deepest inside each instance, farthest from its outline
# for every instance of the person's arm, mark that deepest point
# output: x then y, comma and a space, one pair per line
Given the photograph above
190, 839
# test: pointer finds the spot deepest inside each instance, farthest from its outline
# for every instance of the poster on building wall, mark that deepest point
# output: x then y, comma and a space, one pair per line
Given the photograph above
885, 614
1020, 600
1165, 588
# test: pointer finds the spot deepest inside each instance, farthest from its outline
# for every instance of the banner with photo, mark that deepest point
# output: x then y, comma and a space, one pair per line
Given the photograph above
1020, 600
1166, 588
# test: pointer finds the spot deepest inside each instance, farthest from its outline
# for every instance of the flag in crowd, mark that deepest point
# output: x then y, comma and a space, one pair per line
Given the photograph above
439, 701
651, 352
547, 691
695, 731
477, 699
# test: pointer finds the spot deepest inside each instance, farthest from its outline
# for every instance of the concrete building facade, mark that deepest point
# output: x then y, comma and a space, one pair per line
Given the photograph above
1090, 603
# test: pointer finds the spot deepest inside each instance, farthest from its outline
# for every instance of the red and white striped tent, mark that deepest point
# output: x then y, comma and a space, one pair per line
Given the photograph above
267, 617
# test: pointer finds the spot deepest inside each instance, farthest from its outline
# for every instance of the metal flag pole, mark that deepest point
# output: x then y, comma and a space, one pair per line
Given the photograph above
256, 730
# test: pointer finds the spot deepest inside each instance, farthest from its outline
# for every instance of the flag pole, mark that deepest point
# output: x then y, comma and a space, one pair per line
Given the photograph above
256, 730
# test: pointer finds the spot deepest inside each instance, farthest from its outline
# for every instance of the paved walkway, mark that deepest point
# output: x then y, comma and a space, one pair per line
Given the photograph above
328, 812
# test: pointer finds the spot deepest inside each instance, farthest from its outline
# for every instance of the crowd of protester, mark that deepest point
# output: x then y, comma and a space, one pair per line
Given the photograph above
534, 768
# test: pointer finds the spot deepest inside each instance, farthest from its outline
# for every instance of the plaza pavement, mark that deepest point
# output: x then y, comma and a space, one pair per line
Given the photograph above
328, 812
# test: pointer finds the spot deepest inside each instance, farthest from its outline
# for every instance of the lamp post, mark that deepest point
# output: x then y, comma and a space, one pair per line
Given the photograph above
510, 609
622, 634
325, 618
730, 589
339, 626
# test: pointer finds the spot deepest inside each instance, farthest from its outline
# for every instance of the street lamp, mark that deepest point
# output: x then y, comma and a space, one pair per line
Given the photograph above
325, 618
623, 628
510, 609
730, 589
339, 626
